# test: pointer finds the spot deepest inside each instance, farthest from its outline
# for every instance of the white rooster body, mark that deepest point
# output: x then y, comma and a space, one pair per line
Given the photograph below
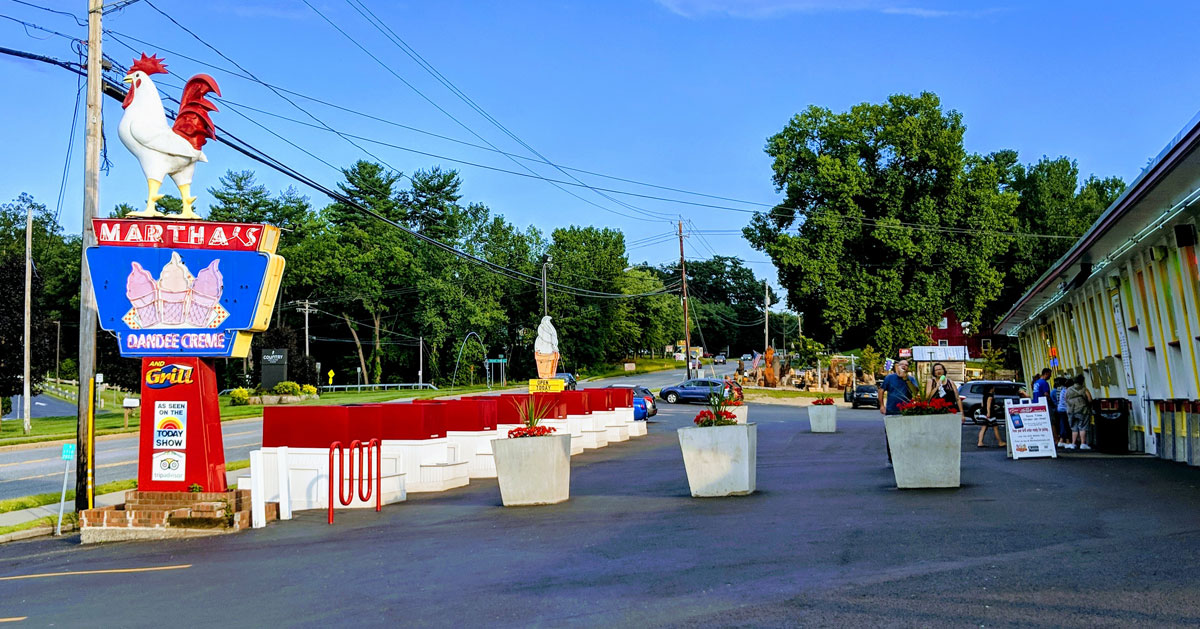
161, 149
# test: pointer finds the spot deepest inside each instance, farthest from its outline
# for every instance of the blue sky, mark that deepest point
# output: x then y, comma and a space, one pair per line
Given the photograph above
681, 93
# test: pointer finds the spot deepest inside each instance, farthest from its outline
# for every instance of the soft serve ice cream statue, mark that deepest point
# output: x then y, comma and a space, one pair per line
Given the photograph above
545, 349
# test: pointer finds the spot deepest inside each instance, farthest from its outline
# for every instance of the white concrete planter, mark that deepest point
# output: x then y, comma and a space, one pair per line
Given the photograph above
720, 460
533, 470
822, 418
926, 450
742, 413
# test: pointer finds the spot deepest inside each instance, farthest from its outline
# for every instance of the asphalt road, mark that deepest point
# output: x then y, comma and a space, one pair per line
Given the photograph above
40, 470
1082, 541
41, 406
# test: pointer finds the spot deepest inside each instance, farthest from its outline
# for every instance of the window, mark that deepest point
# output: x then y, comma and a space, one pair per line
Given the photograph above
943, 343
985, 344
944, 323
976, 389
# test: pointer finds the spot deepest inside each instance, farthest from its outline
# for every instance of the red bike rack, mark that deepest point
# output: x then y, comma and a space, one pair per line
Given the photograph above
365, 489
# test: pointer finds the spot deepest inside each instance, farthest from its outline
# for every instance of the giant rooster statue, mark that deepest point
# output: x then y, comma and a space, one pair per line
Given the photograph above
160, 148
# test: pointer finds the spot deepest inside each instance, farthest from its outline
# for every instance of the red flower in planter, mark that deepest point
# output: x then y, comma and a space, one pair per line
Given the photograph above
936, 406
823, 401
530, 431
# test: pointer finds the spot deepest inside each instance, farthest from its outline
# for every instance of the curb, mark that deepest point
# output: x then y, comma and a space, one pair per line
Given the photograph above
39, 531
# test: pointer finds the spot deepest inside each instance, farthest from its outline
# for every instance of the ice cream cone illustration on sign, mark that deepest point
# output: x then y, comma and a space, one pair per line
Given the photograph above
142, 292
173, 284
545, 349
206, 292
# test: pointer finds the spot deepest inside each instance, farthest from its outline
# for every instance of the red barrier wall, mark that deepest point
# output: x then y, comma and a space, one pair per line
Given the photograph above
305, 426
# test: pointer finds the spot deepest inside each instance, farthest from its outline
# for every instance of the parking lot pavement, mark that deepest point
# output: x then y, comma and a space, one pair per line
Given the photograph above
826, 541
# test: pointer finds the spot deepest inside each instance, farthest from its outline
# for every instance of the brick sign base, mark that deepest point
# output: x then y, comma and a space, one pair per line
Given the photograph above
170, 514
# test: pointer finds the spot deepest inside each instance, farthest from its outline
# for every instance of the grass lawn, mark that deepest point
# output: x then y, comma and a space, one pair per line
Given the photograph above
644, 365
107, 423
37, 500
69, 520
108, 400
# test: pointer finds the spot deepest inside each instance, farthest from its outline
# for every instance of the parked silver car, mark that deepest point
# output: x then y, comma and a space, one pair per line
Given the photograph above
972, 393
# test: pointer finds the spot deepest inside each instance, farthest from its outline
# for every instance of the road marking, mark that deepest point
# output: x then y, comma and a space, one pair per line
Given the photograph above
14, 619
81, 572
53, 458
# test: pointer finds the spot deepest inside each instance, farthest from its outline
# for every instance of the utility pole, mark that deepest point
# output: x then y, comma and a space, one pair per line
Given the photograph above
766, 318
306, 309
420, 361
545, 305
25, 403
87, 299
57, 348
687, 328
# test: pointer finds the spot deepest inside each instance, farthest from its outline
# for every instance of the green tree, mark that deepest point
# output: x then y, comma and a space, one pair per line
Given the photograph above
1052, 202
893, 221
51, 285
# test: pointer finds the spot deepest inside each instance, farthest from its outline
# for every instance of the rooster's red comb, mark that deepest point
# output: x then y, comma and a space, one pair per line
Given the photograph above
149, 65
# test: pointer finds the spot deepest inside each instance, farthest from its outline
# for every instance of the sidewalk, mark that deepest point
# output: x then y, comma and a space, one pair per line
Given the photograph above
13, 518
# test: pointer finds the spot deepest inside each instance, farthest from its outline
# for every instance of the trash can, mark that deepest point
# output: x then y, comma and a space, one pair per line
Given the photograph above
1110, 419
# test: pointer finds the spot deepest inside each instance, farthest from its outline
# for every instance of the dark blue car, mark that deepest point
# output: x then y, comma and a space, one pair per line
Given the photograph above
694, 390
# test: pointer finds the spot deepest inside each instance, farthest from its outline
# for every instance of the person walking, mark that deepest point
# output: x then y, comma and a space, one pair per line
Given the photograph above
940, 385
897, 388
1079, 403
994, 411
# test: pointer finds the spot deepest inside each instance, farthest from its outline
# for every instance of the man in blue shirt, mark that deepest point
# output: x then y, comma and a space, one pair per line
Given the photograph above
895, 389
1041, 386
893, 392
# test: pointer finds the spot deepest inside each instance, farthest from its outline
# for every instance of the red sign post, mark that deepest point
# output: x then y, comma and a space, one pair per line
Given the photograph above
181, 426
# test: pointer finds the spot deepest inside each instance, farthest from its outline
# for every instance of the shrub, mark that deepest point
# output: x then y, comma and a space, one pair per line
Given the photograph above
287, 387
308, 389
239, 397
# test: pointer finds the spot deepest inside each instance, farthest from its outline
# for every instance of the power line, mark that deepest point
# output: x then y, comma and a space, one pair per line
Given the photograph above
120, 36
448, 114
428, 67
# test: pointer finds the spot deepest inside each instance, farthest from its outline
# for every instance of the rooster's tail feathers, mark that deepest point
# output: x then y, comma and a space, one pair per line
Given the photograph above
193, 122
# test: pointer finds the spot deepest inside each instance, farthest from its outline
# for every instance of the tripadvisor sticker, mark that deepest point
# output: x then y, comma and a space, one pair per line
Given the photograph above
168, 466
170, 425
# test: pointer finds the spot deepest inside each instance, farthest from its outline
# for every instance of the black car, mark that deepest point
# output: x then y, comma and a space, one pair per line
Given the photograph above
642, 392
570, 383
862, 395
719, 359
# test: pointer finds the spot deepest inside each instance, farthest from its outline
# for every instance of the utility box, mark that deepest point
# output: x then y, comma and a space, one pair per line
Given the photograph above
1110, 418
274, 367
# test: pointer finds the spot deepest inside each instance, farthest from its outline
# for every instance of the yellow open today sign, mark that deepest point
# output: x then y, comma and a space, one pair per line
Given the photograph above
546, 385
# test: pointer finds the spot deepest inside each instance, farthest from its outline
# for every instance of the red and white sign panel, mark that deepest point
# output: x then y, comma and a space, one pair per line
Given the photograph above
1029, 432
184, 235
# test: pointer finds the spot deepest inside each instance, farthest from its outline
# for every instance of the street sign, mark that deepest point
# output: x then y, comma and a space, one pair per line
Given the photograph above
68, 452
99, 378
330, 374
546, 385
493, 361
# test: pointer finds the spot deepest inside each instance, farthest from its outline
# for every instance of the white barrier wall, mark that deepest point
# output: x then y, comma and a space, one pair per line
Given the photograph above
476, 447
308, 478
429, 464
